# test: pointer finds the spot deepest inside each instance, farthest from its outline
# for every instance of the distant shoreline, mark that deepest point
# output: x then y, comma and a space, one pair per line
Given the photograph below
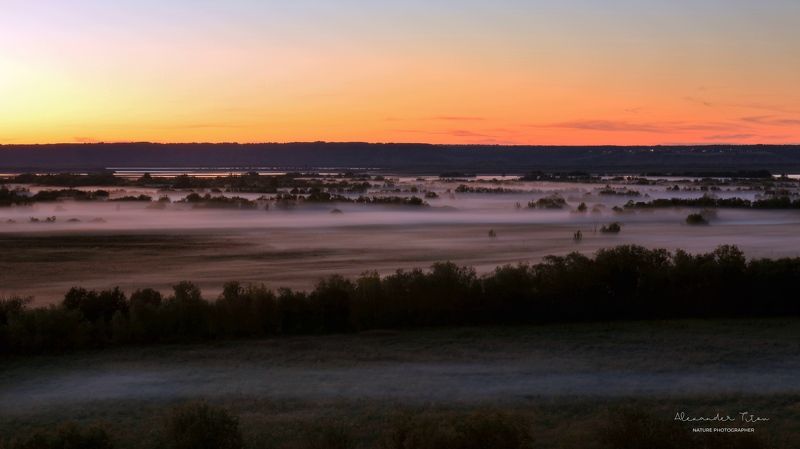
402, 158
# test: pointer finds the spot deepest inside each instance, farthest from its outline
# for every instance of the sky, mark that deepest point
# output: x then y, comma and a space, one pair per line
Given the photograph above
546, 72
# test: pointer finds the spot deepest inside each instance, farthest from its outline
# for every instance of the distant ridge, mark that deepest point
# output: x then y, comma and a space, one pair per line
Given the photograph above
423, 158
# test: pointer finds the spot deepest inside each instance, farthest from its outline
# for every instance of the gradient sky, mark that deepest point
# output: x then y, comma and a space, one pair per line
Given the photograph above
441, 71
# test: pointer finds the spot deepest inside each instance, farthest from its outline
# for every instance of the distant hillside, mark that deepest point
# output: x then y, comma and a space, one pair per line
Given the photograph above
401, 157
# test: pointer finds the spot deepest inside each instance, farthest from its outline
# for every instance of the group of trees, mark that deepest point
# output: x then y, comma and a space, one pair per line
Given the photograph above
548, 202
247, 182
463, 188
774, 202
392, 200
218, 201
21, 197
608, 190
314, 195
627, 282
611, 228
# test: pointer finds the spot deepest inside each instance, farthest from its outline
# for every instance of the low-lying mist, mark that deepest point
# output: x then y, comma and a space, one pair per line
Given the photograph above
49, 247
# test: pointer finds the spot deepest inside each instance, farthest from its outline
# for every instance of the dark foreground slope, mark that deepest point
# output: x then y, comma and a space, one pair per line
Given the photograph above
561, 383
400, 157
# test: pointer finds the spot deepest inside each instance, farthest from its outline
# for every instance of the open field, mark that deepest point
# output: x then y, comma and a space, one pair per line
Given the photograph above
46, 265
102, 244
557, 374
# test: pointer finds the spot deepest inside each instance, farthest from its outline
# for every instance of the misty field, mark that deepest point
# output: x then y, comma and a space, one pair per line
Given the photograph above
561, 385
564, 378
260, 237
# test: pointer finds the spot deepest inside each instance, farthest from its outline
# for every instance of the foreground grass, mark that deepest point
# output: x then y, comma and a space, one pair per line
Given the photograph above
551, 423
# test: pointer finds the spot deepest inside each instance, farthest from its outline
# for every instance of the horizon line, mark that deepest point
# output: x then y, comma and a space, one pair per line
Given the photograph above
510, 145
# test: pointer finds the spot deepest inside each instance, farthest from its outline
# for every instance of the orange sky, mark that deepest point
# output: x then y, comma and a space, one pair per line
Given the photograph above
536, 72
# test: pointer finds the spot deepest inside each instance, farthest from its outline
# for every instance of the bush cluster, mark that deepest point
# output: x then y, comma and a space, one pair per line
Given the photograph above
611, 228
549, 202
622, 283
696, 219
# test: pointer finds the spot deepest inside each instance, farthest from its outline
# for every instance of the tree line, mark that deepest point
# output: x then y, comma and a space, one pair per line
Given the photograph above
622, 283
774, 202
246, 182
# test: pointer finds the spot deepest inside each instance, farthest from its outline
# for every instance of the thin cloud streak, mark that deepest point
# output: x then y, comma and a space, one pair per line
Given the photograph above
645, 127
457, 118
731, 137
757, 106
772, 120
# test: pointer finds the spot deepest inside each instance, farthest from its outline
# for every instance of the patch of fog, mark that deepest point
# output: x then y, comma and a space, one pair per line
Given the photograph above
475, 209
410, 382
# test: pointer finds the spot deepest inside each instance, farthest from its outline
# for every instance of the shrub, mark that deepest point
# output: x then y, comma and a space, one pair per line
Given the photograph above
201, 426
696, 219
549, 202
612, 228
